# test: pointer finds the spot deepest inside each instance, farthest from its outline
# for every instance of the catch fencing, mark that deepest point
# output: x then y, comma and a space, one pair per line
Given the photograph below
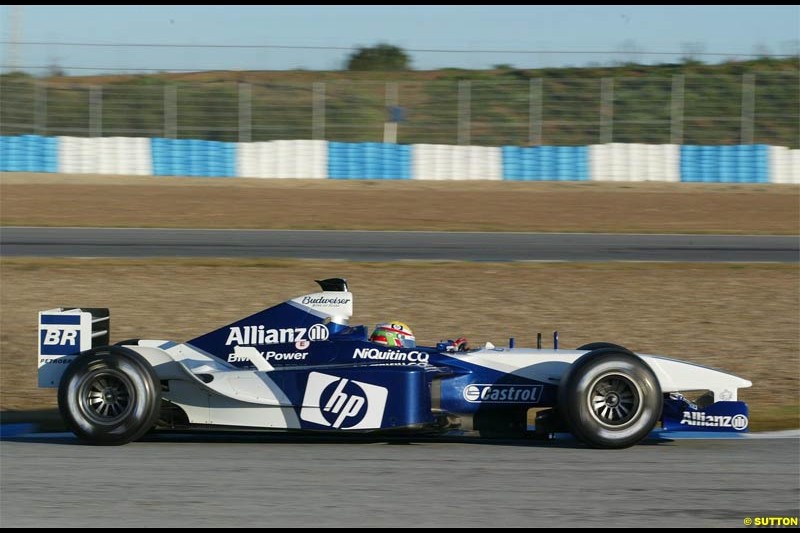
746, 109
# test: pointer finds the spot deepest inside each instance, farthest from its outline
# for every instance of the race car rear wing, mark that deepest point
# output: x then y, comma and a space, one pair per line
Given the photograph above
64, 332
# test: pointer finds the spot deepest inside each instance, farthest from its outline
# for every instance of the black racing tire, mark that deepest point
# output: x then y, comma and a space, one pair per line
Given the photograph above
598, 345
610, 399
109, 396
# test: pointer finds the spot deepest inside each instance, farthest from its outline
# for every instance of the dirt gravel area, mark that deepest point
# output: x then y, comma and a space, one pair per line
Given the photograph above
741, 318
78, 200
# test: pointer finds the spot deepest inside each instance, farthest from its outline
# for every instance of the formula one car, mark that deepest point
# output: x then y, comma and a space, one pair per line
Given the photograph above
300, 367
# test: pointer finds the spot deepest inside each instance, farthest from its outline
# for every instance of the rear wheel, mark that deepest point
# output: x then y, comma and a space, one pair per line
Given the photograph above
109, 395
610, 399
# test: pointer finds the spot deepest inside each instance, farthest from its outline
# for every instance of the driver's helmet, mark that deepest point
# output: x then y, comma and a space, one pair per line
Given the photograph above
396, 334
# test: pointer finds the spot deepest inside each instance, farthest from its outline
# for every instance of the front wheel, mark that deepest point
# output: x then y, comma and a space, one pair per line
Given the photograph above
109, 396
597, 345
610, 399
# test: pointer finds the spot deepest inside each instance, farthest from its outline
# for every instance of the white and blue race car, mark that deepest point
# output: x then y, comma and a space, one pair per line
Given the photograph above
300, 367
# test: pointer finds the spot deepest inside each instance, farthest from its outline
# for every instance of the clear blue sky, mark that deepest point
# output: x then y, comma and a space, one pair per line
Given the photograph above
620, 29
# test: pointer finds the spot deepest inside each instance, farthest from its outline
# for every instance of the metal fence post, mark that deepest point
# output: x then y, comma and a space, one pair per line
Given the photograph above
318, 111
96, 111
245, 113
40, 108
170, 111
748, 107
464, 106
389, 125
606, 110
535, 112
676, 109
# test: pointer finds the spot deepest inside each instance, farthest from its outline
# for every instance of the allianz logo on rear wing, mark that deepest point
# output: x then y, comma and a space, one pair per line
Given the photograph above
64, 333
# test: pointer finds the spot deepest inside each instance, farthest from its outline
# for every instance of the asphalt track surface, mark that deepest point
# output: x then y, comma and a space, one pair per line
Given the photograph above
388, 246
261, 481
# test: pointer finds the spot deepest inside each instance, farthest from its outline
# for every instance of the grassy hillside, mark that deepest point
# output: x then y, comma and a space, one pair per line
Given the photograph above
499, 110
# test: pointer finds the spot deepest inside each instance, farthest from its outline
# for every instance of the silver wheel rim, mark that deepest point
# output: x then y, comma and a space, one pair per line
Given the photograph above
106, 396
614, 400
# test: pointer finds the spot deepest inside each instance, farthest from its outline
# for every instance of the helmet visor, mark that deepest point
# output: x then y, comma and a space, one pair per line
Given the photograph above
408, 342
